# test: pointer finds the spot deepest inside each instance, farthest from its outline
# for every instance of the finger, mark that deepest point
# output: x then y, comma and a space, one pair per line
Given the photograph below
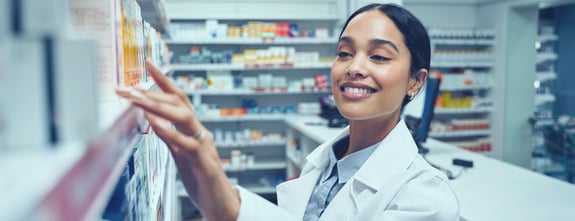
159, 124
177, 140
161, 97
175, 113
161, 80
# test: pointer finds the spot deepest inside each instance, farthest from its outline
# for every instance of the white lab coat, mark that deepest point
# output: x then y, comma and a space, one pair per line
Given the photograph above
394, 183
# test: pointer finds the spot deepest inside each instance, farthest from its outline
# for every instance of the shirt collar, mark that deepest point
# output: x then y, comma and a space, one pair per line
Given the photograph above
350, 164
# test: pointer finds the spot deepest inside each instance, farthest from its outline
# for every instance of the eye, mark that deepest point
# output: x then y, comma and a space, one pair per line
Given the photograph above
379, 58
343, 54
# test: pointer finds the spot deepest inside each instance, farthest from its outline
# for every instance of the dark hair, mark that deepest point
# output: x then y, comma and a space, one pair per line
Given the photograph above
414, 35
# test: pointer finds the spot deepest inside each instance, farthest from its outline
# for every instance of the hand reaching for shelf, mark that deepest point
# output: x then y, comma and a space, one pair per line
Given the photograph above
172, 117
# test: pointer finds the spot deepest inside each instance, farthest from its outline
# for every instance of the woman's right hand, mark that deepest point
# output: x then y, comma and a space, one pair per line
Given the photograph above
172, 117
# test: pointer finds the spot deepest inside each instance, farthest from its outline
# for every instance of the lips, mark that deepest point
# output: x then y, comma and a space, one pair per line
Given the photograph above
356, 89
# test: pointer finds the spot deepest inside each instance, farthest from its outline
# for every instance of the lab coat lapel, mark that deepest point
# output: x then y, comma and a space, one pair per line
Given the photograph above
294, 195
377, 176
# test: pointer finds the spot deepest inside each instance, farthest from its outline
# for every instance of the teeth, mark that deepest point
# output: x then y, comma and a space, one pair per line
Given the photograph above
357, 90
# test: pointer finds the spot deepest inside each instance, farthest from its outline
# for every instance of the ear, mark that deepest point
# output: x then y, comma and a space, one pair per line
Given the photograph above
417, 82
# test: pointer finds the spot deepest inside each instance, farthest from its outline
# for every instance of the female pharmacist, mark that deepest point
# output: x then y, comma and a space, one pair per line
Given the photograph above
370, 171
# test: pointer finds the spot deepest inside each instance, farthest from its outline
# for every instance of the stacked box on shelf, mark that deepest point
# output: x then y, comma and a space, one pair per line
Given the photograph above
125, 40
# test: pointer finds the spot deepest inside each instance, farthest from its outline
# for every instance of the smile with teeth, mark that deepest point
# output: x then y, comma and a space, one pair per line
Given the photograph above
358, 90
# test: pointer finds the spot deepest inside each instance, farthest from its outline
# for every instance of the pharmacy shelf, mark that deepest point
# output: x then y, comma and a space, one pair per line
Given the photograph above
462, 110
23, 171
543, 99
77, 179
463, 41
455, 64
248, 117
464, 88
234, 17
546, 56
544, 122
263, 143
547, 38
154, 12
465, 133
236, 92
297, 161
259, 166
246, 67
170, 198
262, 190
252, 41
160, 184
545, 76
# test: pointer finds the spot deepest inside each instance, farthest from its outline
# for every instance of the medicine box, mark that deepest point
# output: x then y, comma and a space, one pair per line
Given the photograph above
26, 115
76, 89
41, 18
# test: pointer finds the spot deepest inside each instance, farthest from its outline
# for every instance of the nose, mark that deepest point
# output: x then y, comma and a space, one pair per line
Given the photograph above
356, 68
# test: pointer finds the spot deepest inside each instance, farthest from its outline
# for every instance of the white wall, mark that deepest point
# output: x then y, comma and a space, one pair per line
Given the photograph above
256, 9
444, 15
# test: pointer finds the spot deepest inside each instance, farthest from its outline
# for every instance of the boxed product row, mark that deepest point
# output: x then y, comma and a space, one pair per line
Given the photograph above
467, 79
138, 195
265, 82
479, 145
212, 29
124, 40
271, 56
244, 136
462, 56
448, 99
455, 125
250, 107
462, 34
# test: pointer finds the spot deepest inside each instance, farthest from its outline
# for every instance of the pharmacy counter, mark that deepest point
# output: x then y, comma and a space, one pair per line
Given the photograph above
491, 190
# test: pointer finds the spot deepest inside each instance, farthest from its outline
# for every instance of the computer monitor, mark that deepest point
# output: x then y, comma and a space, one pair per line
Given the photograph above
420, 126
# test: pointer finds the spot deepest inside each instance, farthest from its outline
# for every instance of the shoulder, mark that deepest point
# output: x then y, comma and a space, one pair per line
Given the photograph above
427, 193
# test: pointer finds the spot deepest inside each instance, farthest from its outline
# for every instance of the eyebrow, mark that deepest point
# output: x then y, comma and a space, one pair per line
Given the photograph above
371, 42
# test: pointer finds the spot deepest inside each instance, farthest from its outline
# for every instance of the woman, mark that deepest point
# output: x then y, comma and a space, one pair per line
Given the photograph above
371, 171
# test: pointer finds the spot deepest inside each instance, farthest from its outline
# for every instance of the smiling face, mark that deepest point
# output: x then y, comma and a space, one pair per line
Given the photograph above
371, 72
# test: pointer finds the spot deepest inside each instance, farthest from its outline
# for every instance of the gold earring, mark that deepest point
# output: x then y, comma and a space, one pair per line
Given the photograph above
412, 96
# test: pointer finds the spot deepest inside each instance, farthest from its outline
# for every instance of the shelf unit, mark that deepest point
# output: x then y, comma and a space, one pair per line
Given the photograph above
78, 178
465, 59
91, 169
544, 99
270, 162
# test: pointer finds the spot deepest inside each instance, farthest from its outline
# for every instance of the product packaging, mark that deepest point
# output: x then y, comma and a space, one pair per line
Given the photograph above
41, 18
99, 20
76, 89
27, 118
3, 93
5, 20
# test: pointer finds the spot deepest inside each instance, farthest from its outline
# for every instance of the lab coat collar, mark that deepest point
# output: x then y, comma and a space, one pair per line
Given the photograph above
394, 155
379, 172
293, 195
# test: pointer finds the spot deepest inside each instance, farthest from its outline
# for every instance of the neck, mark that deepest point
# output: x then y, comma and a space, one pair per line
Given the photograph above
365, 133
